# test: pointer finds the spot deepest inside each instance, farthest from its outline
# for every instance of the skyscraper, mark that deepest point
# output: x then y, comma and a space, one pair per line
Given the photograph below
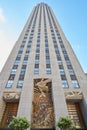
42, 79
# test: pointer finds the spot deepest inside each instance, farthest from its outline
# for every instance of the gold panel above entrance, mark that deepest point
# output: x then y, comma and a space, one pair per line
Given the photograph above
73, 96
11, 96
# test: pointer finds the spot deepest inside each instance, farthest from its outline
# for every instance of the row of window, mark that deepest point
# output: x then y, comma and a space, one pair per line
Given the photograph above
37, 56
62, 72
69, 66
47, 55
25, 61
15, 66
48, 66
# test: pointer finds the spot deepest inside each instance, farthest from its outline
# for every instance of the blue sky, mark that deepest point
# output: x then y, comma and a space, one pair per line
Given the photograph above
71, 14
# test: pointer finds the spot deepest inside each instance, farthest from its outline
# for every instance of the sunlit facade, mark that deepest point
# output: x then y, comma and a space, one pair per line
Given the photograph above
42, 79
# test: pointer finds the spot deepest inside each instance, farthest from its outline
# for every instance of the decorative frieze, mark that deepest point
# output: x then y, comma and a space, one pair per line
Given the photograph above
73, 95
11, 96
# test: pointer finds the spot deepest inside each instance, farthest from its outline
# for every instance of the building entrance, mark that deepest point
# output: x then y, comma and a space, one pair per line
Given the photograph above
10, 111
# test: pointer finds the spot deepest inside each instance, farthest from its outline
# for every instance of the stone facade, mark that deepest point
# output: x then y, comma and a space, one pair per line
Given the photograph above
58, 91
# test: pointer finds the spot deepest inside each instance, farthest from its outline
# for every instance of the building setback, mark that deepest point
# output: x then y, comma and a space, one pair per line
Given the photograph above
42, 78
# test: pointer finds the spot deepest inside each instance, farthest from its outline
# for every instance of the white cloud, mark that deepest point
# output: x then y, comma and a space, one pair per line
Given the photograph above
6, 44
2, 17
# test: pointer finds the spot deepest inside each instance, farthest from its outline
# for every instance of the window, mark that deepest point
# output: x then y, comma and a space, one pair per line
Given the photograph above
47, 65
13, 71
54, 38
38, 40
32, 30
21, 77
31, 34
25, 62
63, 77
23, 66
36, 61
19, 55
20, 84
48, 61
20, 52
18, 58
23, 41
12, 76
27, 30
55, 46
26, 34
60, 62
54, 41
73, 77
28, 46
59, 38
17, 62
48, 70
38, 50
56, 49
38, 45
63, 49
60, 66
62, 46
58, 58
64, 52
27, 51
52, 30
68, 62
36, 71
36, 65
65, 83
21, 49
37, 57
47, 54
9, 84
71, 72
66, 57
26, 57
22, 71
69, 66
30, 41
62, 72
31, 37
75, 83
15, 66
48, 57
25, 37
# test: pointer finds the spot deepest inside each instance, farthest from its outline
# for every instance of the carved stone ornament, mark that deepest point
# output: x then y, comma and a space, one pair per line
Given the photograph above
11, 96
73, 96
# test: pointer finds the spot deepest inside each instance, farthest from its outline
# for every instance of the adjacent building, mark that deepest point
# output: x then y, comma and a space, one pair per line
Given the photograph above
42, 78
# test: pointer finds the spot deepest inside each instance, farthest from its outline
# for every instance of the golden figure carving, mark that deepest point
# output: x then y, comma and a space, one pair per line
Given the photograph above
42, 86
43, 112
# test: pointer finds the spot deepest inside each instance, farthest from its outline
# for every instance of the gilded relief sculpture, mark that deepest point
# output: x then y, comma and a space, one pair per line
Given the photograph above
42, 105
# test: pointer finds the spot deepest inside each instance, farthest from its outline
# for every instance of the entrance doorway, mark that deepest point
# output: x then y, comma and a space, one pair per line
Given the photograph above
10, 111
75, 114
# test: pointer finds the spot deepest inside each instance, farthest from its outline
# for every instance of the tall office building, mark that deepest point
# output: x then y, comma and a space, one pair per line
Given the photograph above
42, 79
